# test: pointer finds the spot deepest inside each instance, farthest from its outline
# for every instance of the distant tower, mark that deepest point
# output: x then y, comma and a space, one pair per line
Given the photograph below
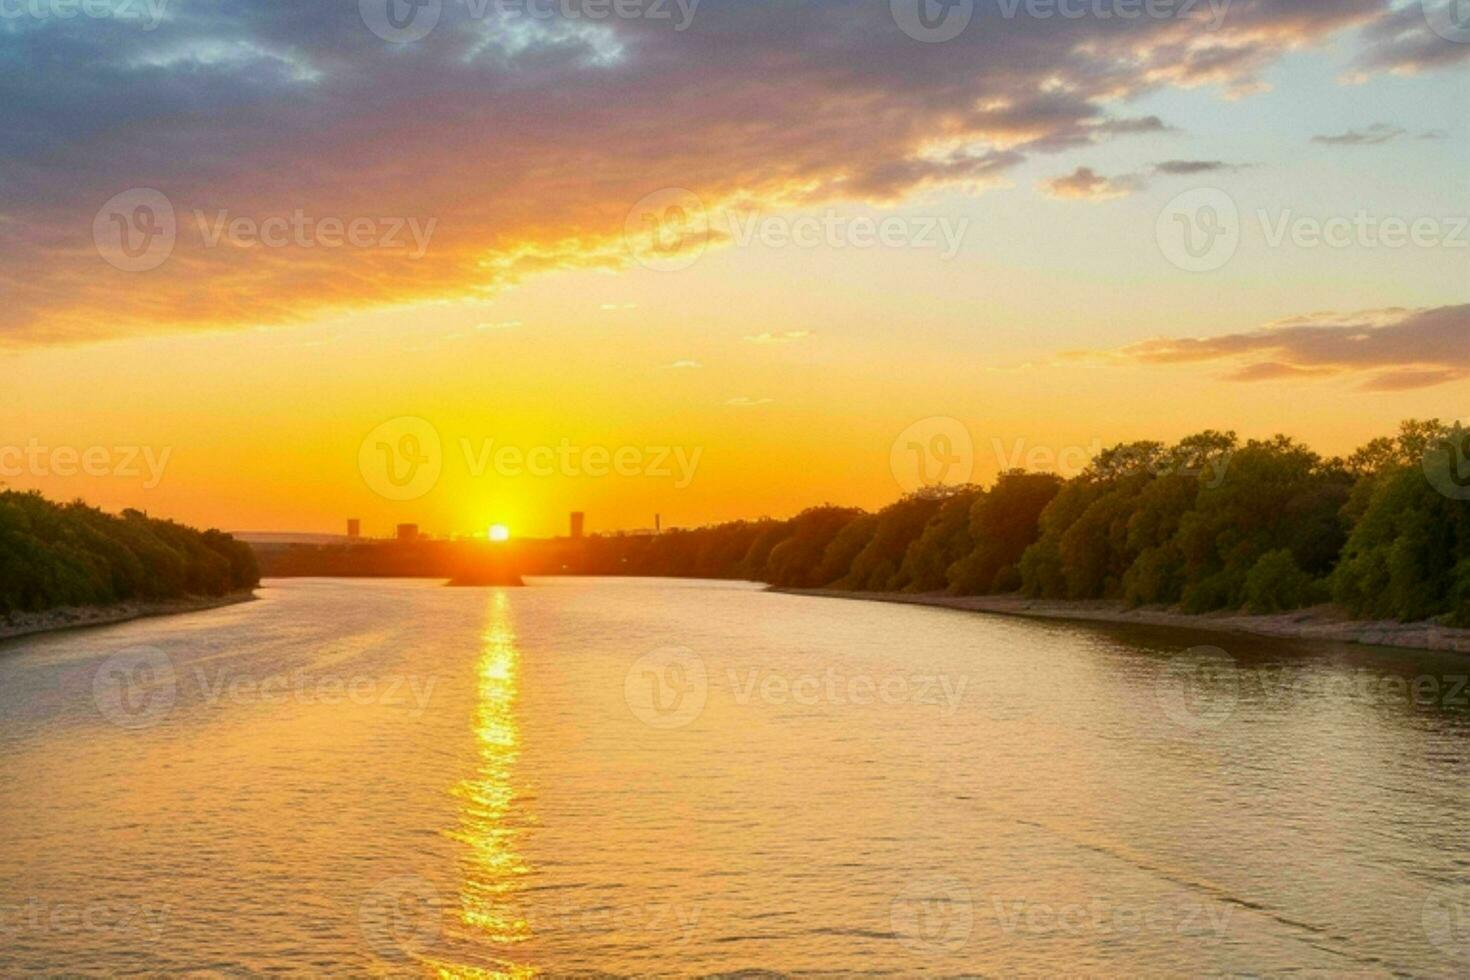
408, 532
658, 524
354, 527
579, 522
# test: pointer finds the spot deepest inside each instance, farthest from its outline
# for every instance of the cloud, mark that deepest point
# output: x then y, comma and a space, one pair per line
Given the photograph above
499, 325
1132, 127
1084, 183
744, 402
1374, 134
785, 337
1185, 168
684, 365
529, 140
1384, 350
1408, 40
1410, 379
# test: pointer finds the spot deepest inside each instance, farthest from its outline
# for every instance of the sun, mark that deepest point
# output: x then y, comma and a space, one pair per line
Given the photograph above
499, 532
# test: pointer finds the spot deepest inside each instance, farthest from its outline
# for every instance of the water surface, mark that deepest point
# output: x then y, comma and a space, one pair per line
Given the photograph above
654, 776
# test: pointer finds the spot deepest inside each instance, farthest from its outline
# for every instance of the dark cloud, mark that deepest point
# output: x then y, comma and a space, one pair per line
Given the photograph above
1374, 134
1084, 183
1390, 350
529, 140
1405, 40
1177, 168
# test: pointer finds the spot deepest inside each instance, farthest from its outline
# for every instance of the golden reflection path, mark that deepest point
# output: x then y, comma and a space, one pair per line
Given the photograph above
492, 869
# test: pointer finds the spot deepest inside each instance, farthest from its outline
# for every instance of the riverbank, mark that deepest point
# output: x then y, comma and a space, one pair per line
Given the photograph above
1325, 622
74, 617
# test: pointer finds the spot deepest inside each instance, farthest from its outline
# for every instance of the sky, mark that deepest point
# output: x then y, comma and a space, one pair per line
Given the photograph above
462, 262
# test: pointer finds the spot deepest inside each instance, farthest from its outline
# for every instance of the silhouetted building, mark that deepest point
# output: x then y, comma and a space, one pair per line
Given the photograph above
354, 527
408, 532
658, 524
579, 523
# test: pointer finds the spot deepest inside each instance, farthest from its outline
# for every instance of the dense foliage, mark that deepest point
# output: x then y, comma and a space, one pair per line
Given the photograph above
1206, 524
74, 555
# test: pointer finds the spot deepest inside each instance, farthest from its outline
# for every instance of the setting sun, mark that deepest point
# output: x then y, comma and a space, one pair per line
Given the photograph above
499, 532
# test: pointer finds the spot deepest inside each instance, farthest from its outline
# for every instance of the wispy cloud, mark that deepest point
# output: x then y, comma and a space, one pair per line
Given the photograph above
1086, 184
683, 365
1369, 136
1383, 350
786, 337
1185, 168
744, 402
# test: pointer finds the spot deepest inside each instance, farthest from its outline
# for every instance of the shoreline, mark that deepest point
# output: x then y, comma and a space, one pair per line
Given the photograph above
1324, 623
76, 617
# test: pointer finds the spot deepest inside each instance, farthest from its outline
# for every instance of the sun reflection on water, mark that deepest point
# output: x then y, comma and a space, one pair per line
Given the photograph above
489, 827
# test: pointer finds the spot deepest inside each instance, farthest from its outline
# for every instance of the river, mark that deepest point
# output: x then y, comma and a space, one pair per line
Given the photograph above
684, 777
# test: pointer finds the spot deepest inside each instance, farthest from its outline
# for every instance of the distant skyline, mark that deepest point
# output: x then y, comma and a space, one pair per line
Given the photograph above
740, 251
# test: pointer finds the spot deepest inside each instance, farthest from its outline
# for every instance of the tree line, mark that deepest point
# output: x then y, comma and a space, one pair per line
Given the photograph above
1208, 523
74, 555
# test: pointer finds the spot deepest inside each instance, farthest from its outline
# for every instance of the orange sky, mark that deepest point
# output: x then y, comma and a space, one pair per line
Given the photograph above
730, 265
